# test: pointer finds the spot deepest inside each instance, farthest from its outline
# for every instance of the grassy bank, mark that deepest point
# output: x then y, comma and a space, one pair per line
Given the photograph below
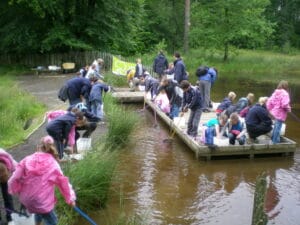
256, 65
92, 177
16, 108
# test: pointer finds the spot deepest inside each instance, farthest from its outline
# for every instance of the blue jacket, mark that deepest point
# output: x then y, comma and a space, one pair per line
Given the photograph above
258, 114
179, 71
192, 99
62, 125
210, 76
96, 92
225, 104
79, 86
160, 64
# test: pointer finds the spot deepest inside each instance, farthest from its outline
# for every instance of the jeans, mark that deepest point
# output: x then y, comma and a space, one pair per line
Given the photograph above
276, 131
193, 123
8, 201
96, 109
232, 138
49, 218
174, 111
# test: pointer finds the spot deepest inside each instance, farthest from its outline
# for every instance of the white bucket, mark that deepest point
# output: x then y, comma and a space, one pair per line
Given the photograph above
84, 144
22, 220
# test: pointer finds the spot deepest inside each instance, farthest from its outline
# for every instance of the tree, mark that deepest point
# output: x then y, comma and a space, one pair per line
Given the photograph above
186, 26
219, 24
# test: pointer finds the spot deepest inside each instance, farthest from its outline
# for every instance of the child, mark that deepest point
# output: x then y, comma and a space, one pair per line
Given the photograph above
236, 130
228, 101
7, 167
35, 179
279, 105
60, 127
95, 97
191, 100
214, 127
162, 101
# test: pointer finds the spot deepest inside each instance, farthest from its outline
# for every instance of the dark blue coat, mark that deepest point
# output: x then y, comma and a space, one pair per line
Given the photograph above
258, 114
79, 86
224, 104
160, 64
96, 92
192, 99
179, 71
62, 125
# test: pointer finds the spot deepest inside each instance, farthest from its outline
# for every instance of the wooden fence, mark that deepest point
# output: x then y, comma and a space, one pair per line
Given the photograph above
80, 59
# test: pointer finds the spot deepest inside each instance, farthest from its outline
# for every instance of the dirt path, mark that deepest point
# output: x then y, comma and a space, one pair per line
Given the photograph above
44, 88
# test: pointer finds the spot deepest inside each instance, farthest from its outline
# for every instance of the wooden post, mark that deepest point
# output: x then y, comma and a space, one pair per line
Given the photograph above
259, 216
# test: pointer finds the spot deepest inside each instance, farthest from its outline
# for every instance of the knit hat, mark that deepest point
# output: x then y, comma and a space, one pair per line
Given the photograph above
47, 140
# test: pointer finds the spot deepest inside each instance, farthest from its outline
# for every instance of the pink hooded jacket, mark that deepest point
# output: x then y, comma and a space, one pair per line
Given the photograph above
279, 104
7, 159
34, 182
163, 103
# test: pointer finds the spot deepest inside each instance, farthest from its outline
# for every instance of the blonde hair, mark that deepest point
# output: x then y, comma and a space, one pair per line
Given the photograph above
223, 118
231, 95
47, 146
251, 97
262, 100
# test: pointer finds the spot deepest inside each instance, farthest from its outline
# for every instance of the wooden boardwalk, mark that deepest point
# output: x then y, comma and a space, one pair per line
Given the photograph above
178, 126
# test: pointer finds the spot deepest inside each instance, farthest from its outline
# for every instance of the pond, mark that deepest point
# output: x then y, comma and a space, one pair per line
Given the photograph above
163, 183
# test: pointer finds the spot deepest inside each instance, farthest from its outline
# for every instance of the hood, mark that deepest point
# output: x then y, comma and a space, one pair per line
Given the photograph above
39, 163
279, 92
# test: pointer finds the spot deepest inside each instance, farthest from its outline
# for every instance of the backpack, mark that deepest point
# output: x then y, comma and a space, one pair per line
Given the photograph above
63, 93
201, 71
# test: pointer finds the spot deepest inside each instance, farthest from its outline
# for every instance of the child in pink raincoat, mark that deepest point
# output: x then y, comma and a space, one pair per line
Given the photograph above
7, 167
279, 105
35, 179
162, 101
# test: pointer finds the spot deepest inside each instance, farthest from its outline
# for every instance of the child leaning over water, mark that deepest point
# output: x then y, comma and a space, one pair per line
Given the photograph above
35, 179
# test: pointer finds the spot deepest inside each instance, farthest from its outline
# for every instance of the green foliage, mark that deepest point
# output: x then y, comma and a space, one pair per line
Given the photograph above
16, 107
120, 123
115, 81
219, 24
91, 179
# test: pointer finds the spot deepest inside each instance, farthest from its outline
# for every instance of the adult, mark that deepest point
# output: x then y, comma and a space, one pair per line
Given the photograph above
7, 167
139, 69
98, 65
179, 69
78, 90
206, 79
160, 64
258, 121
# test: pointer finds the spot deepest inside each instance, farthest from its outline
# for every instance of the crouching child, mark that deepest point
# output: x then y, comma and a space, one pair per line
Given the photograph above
236, 130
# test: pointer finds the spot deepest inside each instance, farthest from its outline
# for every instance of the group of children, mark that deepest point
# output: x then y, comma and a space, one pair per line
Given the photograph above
233, 120
33, 181
42, 167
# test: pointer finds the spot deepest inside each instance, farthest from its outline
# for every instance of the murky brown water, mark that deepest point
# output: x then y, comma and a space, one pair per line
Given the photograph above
165, 184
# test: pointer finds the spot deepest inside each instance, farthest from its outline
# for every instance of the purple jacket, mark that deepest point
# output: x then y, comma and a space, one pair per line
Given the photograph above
279, 104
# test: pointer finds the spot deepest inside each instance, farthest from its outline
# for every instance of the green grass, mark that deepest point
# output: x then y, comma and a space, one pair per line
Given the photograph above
257, 65
16, 107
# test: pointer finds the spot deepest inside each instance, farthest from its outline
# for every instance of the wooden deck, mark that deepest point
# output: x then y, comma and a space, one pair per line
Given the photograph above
178, 126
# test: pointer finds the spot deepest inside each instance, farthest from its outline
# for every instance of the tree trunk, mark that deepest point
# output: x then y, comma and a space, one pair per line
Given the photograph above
225, 52
186, 26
